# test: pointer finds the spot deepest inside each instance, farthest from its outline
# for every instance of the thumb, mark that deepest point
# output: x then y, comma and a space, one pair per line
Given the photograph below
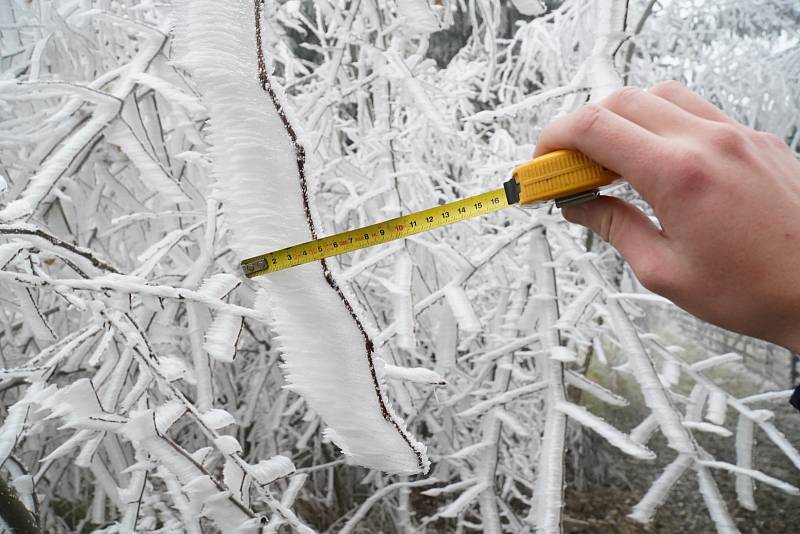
623, 225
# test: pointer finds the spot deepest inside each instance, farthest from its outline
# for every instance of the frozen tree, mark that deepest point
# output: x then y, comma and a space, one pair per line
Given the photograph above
147, 148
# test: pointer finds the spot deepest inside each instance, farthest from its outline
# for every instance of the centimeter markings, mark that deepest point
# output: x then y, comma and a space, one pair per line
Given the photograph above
375, 234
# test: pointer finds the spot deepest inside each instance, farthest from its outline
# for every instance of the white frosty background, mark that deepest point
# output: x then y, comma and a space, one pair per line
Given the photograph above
140, 385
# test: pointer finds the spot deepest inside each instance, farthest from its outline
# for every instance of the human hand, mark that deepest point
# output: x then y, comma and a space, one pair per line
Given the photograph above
727, 199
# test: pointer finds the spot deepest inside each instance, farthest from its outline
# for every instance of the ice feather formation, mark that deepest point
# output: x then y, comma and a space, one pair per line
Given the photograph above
259, 162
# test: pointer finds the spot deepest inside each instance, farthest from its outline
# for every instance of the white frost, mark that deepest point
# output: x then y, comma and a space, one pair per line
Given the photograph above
413, 374
222, 336
228, 445
530, 7
708, 427
563, 354
217, 418
614, 436
267, 471
325, 343
461, 307
401, 299
717, 407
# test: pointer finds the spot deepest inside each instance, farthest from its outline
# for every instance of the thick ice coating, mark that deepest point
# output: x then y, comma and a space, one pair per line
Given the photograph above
259, 165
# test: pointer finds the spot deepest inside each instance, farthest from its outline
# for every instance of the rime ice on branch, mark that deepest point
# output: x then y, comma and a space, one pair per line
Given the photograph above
260, 167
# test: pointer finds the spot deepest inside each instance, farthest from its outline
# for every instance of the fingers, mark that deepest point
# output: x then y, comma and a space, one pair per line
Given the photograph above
631, 232
640, 135
659, 115
626, 148
683, 97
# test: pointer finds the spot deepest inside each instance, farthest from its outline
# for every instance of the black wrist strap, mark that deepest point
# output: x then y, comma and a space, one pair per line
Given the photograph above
795, 399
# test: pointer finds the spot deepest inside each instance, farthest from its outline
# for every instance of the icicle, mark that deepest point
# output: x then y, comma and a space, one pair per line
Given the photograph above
222, 337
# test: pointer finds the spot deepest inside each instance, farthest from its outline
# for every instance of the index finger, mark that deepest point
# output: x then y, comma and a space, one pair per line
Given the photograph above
636, 154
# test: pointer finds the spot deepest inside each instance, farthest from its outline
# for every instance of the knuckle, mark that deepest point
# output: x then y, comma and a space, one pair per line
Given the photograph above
770, 138
623, 96
729, 139
689, 171
587, 119
667, 88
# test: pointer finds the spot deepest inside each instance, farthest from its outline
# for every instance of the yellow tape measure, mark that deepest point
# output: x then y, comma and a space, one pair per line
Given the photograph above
564, 175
